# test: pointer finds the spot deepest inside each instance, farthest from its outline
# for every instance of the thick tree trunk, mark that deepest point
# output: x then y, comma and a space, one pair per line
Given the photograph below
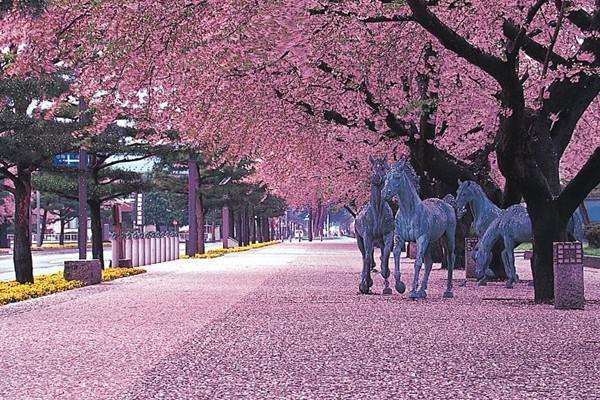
61, 234
200, 217
22, 247
192, 246
246, 226
96, 225
231, 222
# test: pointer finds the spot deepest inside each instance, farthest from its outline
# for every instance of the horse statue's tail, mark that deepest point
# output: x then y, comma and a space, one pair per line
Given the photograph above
578, 226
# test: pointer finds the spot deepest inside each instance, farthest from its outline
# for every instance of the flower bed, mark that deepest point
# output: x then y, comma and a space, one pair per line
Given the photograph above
220, 252
11, 292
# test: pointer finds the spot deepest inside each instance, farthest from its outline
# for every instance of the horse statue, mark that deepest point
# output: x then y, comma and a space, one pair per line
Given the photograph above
423, 222
471, 195
374, 227
491, 224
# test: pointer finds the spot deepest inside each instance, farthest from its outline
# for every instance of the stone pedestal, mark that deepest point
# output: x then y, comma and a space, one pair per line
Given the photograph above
125, 263
87, 271
147, 255
568, 276
470, 244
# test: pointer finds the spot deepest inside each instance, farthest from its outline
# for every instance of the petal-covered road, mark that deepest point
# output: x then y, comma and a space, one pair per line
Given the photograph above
287, 322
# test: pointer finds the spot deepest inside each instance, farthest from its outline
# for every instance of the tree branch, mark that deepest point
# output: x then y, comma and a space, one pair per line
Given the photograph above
579, 188
492, 65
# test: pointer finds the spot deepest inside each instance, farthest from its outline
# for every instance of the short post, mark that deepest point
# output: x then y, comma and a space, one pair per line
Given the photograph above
169, 245
159, 248
153, 248
115, 248
568, 276
147, 254
128, 246
135, 250
470, 267
163, 247
176, 244
142, 251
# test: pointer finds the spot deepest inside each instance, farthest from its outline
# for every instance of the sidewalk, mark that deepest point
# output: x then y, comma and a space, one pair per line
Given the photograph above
287, 322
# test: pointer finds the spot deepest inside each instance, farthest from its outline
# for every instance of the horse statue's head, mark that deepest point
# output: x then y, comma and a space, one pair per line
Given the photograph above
379, 168
401, 175
466, 192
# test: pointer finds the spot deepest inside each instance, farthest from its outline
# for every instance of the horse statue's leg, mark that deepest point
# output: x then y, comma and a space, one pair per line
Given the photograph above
508, 258
388, 243
422, 244
425, 281
398, 245
365, 278
450, 257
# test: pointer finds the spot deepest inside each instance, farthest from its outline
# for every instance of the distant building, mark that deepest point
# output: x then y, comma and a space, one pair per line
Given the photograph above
592, 206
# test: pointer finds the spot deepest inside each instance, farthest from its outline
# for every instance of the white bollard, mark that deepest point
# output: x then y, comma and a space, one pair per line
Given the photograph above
115, 251
128, 247
147, 255
135, 250
142, 252
168, 245
153, 250
159, 245
163, 248
176, 246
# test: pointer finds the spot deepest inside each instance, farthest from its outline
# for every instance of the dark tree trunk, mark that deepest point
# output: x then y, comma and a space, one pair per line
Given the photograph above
238, 226
43, 229
246, 226
200, 217
61, 234
22, 247
192, 247
310, 225
96, 225
259, 230
231, 222
252, 226
4, 242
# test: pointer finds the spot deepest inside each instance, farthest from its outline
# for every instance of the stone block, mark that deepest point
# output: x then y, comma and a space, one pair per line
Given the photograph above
125, 263
470, 267
87, 271
568, 276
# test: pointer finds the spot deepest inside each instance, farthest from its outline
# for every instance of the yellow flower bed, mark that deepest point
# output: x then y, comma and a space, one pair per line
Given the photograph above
11, 292
110, 274
220, 252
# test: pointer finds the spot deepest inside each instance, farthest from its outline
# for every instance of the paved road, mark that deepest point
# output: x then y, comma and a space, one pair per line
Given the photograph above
287, 322
48, 262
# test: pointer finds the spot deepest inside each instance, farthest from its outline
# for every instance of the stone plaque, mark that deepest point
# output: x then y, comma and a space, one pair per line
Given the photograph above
86, 271
568, 276
125, 263
470, 244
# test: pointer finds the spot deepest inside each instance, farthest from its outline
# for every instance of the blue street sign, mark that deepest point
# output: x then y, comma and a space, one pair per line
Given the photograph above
69, 160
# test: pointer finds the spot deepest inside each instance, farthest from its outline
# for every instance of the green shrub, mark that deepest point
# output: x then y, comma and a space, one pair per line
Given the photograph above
592, 234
